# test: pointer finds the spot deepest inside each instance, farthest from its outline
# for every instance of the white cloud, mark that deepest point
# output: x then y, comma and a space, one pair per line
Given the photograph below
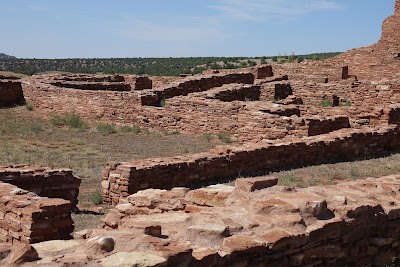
192, 30
270, 9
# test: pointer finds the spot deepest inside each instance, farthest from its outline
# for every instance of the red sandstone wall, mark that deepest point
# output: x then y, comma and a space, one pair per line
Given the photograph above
350, 224
28, 218
193, 85
11, 93
123, 179
45, 182
327, 125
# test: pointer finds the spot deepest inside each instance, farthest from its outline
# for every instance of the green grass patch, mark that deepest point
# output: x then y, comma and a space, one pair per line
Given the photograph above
127, 129
106, 128
224, 138
326, 103
96, 197
72, 120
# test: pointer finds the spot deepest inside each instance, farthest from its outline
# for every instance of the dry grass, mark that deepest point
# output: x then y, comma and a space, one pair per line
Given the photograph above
27, 139
13, 74
327, 174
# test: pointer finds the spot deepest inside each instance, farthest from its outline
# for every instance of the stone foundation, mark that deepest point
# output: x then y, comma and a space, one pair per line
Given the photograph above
122, 179
327, 125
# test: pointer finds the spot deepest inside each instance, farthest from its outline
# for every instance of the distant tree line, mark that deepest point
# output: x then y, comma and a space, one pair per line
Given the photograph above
149, 66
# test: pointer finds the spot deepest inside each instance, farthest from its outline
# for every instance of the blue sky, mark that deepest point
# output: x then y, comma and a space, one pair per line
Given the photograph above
183, 28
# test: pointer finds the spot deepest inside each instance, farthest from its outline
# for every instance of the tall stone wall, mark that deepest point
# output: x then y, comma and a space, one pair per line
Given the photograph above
28, 218
123, 179
11, 93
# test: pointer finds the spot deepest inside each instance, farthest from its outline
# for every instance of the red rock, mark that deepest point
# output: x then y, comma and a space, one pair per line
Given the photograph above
252, 184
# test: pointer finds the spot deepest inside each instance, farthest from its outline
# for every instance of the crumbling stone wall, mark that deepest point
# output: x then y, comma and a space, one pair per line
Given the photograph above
43, 181
195, 84
96, 86
122, 179
11, 93
257, 223
327, 125
143, 83
233, 92
28, 218
264, 72
36, 203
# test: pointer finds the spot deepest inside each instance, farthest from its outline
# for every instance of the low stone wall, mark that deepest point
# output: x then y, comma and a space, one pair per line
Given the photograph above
43, 181
27, 218
317, 126
255, 223
90, 78
195, 84
143, 83
123, 179
236, 92
111, 86
11, 93
264, 72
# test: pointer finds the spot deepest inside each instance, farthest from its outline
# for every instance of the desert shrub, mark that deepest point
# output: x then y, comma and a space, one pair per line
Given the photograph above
163, 102
72, 120
224, 138
29, 107
96, 197
134, 129
346, 104
325, 103
36, 127
174, 133
106, 128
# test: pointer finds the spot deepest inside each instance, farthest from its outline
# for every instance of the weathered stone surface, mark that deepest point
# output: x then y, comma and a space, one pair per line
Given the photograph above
133, 259
252, 184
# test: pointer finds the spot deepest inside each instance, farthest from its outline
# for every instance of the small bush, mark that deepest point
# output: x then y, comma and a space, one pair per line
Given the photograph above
173, 133
36, 127
56, 120
72, 120
326, 103
29, 107
346, 104
163, 102
134, 129
106, 128
96, 197
224, 138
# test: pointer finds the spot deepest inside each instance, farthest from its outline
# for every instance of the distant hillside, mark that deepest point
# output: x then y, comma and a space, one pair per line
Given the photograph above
150, 66
4, 56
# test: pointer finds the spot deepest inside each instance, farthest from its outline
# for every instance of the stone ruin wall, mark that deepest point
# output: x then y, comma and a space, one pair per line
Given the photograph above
43, 181
28, 218
258, 224
122, 179
36, 203
11, 93
202, 112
